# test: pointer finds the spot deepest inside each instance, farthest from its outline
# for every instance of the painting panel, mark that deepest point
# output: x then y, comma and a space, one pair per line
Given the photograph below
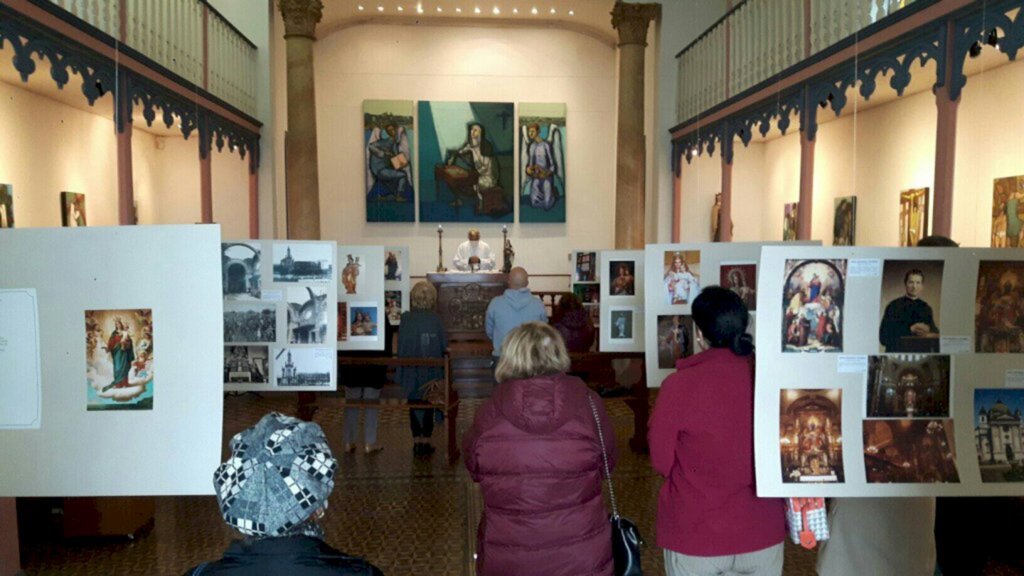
246, 364
789, 221
813, 306
681, 278
303, 367
998, 431
844, 223
999, 316
542, 138
119, 359
6, 206
72, 209
675, 339
913, 216
741, 278
911, 306
240, 270
622, 273
388, 138
908, 386
811, 435
302, 262
909, 452
307, 315
467, 168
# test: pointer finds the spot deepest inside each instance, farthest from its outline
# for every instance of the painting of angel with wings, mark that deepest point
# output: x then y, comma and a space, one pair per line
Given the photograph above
542, 162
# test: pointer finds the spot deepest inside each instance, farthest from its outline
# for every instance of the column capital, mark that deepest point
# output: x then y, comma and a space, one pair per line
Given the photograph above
631, 20
300, 16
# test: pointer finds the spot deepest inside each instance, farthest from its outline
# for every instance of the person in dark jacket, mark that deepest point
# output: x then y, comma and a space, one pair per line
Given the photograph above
363, 384
534, 449
421, 335
273, 489
573, 322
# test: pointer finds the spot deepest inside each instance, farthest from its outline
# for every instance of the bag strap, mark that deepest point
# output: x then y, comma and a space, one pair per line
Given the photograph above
604, 456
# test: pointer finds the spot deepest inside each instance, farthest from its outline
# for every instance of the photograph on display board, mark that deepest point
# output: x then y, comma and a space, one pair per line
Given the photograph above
681, 276
393, 265
304, 366
6, 206
250, 322
307, 315
587, 293
789, 221
389, 136
342, 321
302, 262
911, 306
362, 321
999, 433
909, 452
350, 274
813, 297
240, 270
844, 224
542, 137
811, 435
467, 161
119, 359
72, 209
622, 325
741, 278
913, 216
623, 281
1008, 212
999, 316
595, 313
908, 386
586, 267
393, 306
675, 339
246, 364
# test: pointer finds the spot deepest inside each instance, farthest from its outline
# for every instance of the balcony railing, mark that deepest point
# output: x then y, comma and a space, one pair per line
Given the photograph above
758, 39
187, 37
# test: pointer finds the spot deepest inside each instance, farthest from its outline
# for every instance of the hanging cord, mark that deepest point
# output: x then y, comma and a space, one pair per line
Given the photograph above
604, 457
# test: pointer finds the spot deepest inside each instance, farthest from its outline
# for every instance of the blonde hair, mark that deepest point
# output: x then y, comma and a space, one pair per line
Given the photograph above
423, 296
532, 349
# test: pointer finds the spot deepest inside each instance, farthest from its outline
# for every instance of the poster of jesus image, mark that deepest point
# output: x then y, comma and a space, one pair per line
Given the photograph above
119, 359
812, 306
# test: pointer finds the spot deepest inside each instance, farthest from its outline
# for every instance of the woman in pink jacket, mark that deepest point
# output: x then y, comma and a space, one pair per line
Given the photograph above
534, 449
710, 520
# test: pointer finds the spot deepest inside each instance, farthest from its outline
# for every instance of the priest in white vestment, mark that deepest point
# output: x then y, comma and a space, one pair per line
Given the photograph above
474, 254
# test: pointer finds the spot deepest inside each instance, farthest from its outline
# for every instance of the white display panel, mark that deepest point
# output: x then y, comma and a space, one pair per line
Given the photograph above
360, 309
622, 300
280, 298
158, 437
396, 279
908, 420
20, 371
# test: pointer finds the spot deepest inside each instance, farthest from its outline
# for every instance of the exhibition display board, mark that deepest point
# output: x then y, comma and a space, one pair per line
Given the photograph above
278, 322
127, 355
622, 300
889, 372
361, 298
586, 281
396, 283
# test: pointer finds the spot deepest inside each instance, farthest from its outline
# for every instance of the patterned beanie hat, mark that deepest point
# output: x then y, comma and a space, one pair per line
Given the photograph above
280, 472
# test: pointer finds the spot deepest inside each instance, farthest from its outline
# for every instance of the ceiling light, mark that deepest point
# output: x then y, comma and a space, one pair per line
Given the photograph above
552, 10
534, 11
476, 10
419, 7
459, 10
496, 11
380, 8
400, 9
439, 9
360, 7
572, 12
515, 10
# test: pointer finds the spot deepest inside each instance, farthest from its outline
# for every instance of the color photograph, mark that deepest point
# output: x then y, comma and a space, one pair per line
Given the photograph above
813, 296
393, 266
388, 137
542, 137
844, 223
681, 277
1008, 212
362, 321
622, 324
246, 364
741, 278
467, 161
623, 281
586, 267
909, 386
909, 452
998, 427
250, 322
303, 367
913, 216
911, 306
350, 274
72, 209
302, 262
789, 221
587, 293
393, 306
6, 206
999, 313
119, 359
811, 435
307, 315
240, 268
675, 339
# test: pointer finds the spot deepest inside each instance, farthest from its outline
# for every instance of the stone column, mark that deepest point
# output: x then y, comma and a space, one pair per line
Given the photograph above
631, 20
302, 183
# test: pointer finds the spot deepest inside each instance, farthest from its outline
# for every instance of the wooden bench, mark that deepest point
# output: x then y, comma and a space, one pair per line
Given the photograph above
595, 368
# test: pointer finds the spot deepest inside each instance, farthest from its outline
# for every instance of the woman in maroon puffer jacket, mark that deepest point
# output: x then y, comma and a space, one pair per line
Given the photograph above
534, 449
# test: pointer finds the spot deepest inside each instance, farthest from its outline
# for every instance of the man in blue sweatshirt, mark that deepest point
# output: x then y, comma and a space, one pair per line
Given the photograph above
515, 307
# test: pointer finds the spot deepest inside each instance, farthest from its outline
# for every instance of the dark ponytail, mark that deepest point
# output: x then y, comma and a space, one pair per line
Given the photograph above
723, 318
742, 344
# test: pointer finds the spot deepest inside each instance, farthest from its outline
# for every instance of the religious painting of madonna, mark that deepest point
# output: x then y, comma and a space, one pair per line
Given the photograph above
999, 316
119, 359
542, 162
844, 225
812, 306
388, 138
811, 435
467, 152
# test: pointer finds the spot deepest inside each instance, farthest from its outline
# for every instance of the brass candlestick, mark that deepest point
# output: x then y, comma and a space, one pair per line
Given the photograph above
440, 251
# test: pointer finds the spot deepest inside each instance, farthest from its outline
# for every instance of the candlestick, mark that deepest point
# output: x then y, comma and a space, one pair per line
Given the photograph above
440, 251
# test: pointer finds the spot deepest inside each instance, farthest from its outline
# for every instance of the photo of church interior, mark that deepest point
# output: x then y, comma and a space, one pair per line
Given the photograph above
496, 149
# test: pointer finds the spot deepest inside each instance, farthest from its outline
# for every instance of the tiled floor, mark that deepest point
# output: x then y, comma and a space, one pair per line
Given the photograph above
409, 516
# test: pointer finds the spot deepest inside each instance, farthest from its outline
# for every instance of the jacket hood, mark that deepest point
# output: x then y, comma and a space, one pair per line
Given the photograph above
541, 404
519, 298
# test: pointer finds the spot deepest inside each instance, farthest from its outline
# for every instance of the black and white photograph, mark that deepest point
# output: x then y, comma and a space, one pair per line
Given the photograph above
908, 386
621, 324
302, 262
250, 322
246, 364
240, 268
307, 315
303, 367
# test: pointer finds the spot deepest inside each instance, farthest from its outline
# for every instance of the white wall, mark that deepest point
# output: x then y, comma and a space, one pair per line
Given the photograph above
468, 64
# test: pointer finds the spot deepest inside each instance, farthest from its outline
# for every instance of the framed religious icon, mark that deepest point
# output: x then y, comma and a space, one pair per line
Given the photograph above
913, 216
